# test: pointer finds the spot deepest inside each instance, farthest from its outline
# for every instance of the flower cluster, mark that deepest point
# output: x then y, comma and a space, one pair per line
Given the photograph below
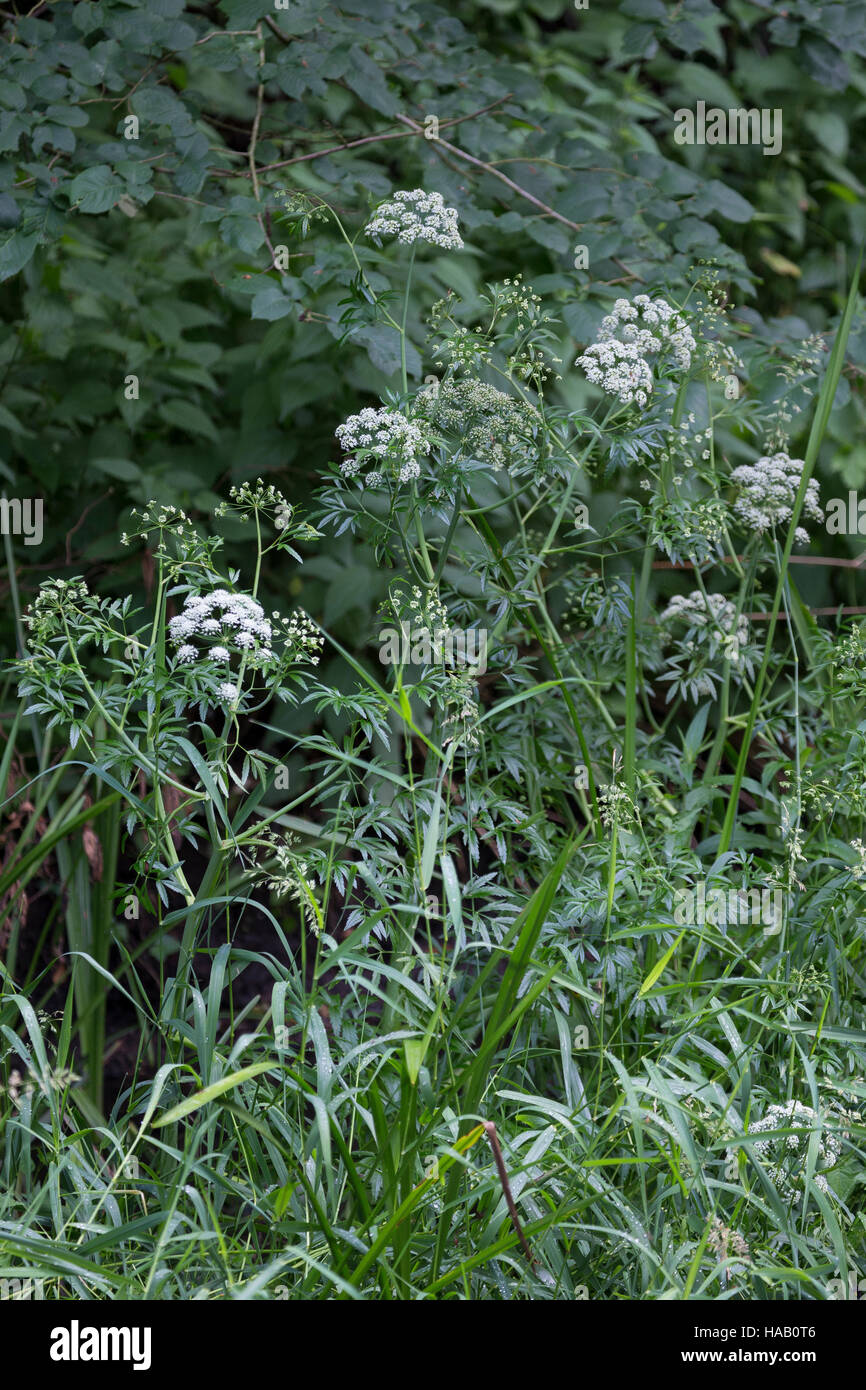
712, 622
858, 872
234, 619
54, 1079
259, 496
386, 435
849, 662
517, 327
619, 369
425, 610
489, 424
266, 502
299, 208
215, 627
159, 517
56, 599
461, 713
767, 490
618, 810
793, 1148
413, 216
629, 335
302, 639
286, 874
513, 297
464, 349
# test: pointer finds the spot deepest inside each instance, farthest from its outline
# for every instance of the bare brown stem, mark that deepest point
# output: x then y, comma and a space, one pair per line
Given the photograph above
515, 187
493, 1139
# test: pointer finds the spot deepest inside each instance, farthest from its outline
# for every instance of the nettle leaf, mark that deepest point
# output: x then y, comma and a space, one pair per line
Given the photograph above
244, 234
95, 190
582, 319
241, 228
644, 9
639, 42
68, 114
12, 94
51, 87
692, 234
550, 234
190, 176
178, 36
830, 129
18, 245
826, 65
299, 16
86, 17
697, 81
295, 81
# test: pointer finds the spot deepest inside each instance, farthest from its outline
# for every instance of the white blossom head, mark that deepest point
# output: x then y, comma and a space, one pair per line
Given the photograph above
244, 637
630, 335
415, 216
767, 490
701, 632
386, 437
785, 1154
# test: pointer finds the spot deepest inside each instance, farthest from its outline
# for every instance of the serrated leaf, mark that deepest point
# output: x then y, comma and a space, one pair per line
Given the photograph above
95, 190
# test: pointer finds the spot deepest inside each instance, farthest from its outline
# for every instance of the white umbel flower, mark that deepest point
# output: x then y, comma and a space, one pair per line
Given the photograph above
788, 1152
385, 435
767, 491
629, 335
184, 625
412, 216
237, 621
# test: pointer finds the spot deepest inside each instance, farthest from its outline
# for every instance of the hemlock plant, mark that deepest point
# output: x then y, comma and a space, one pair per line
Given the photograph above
441, 829
447, 795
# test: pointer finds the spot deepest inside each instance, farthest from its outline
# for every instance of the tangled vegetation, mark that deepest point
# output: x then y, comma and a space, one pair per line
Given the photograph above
434, 745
